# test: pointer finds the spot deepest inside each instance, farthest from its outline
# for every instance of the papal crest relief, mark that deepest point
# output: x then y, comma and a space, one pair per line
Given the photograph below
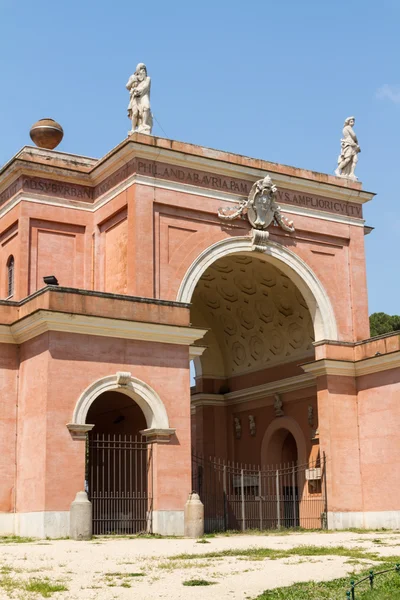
261, 210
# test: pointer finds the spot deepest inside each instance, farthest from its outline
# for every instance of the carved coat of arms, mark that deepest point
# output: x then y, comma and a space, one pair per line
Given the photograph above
261, 210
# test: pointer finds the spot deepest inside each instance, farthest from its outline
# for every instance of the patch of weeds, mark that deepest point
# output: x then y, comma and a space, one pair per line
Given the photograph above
125, 584
118, 574
9, 584
198, 582
44, 587
91, 587
16, 539
173, 565
203, 541
273, 553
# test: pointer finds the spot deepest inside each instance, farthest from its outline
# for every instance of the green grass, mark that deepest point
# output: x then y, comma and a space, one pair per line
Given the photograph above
198, 582
289, 531
273, 553
44, 587
16, 539
120, 574
386, 587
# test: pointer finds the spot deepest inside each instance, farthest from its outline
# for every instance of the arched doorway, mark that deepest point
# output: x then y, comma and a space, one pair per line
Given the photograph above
118, 468
263, 315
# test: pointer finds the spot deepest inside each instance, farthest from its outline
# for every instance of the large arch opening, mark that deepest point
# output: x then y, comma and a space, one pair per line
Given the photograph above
252, 405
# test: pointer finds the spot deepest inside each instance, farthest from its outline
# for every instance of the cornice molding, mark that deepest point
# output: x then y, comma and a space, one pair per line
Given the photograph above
6, 337
43, 321
344, 368
195, 351
258, 392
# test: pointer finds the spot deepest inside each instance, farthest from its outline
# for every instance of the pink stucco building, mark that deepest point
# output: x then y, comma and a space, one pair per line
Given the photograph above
150, 278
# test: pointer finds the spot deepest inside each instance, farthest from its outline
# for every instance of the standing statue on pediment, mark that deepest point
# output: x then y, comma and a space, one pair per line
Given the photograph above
139, 110
350, 149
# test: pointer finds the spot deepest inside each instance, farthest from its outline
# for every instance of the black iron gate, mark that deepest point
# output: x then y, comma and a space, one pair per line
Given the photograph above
240, 497
119, 479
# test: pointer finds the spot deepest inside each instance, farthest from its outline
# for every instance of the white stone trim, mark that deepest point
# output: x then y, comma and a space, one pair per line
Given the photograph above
207, 400
77, 431
289, 384
287, 261
258, 392
208, 164
22, 196
7, 523
196, 351
45, 320
347, 368
326, 366
325, 216
376, 364
168, 522
159, 436
385, 519
149, 401
6, 337
40, 524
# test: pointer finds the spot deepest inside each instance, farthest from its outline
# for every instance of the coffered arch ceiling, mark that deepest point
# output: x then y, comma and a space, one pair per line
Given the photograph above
256, 316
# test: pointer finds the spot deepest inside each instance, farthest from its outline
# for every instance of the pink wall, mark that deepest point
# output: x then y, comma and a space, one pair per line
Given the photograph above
51, 472
8, 415
379, 427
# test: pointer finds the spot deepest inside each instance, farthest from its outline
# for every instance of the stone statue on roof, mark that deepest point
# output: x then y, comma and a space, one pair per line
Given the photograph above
139, 111
350, 149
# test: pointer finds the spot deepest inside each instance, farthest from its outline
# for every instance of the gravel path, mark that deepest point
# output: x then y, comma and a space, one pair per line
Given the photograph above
107, 568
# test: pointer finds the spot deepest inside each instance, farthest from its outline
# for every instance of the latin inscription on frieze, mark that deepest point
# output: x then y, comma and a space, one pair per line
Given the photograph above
350, 209
193, 177
179, 174
57, 188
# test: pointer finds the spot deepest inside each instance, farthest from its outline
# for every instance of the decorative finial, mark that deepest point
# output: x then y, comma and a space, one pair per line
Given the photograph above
139, 111
46, 133
349, 150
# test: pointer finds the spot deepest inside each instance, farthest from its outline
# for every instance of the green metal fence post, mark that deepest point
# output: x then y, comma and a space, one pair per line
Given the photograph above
371, 579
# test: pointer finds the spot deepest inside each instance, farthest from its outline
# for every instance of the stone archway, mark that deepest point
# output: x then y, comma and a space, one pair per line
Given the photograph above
288, 262
149, 401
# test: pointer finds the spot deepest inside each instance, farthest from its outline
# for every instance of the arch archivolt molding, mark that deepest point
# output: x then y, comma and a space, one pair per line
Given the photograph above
158, 429
288, 262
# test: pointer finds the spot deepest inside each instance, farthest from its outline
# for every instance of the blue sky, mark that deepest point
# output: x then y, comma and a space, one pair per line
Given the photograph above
272, 80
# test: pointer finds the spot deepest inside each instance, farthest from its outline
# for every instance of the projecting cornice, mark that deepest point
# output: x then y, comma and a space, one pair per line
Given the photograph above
43, 321
258, 392
344, 368
82, 183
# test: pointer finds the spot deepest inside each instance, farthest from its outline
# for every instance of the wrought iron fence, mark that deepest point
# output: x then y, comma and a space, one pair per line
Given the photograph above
120, 481
370, 578
240, 497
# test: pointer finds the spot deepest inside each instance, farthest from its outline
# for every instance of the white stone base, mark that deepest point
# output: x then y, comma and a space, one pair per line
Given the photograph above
52, 524
168, 522
386, 519
7, 523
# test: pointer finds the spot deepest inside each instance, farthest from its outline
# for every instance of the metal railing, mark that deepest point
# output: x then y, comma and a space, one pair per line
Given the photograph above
240, 497
119, 480
370, 577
